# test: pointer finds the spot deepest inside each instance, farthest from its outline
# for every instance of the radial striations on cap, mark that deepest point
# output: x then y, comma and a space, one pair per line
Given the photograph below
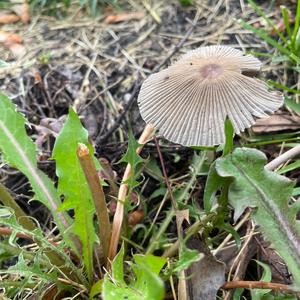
189, 101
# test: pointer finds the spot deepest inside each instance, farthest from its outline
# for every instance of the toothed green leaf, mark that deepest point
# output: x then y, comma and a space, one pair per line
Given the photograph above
146, 285
20, 152
73, 186
133, 159
269, 194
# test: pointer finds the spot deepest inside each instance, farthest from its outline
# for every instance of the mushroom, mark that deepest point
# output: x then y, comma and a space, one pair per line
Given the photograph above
189, 101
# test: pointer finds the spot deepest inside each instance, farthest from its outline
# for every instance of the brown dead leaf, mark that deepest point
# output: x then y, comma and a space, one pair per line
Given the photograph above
17, 50
277, 122
8, 18
9, 38
13, 42
124, 17
22, 10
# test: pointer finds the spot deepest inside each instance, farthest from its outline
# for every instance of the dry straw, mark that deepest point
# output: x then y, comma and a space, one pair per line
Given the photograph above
189, 101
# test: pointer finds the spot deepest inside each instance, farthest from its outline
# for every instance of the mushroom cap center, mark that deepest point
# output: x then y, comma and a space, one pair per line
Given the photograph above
211, 71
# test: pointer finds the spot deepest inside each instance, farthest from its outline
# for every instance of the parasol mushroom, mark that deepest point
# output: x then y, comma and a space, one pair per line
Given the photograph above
189, 101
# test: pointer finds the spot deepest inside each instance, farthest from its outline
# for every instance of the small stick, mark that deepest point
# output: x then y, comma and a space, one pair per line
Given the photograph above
123, 190
90, 172
260, 285
283, 158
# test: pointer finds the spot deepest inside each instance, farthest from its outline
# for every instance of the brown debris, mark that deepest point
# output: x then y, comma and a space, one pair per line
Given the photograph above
124, 17
277, 122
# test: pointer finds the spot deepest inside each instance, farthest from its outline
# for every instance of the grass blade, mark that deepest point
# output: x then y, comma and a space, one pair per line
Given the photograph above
266, 37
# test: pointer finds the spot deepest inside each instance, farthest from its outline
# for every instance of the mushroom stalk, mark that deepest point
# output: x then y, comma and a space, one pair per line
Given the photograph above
119, 214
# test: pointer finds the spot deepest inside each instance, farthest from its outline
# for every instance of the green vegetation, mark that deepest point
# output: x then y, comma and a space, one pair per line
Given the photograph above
71, 260
238, 174
285, 41
59, 7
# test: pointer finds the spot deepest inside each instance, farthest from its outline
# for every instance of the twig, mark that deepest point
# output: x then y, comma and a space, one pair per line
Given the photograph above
90, 172
260, 285
174, 203
182, 285
283, 158
119, 214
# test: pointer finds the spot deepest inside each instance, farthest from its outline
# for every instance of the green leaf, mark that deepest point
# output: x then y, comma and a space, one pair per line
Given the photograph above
96, 289
117, 266
146, 270
146, 284
292, 105
286, 21
132, 158
296, 191
187, 258
7, 218
20, 152
289, 167
214, 183
257, 294
283, 87
73, 186
269, 193
30, 269
229, 134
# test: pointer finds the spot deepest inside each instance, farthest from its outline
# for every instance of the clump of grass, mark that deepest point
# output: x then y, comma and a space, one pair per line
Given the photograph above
59, 7
286, 43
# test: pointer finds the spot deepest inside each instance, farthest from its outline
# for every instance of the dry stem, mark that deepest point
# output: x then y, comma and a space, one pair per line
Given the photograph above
259, 285
119, 214
90, 172
283, 158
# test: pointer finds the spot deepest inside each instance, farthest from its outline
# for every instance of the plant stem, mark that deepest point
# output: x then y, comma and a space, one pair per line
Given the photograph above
260, 285
192, 230
283, 158
119, 214
163, 227
90, 172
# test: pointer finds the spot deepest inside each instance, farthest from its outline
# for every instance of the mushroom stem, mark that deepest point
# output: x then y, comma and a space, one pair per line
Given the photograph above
119, 214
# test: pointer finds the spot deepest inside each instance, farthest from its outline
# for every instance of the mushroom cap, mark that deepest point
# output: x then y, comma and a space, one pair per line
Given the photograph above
189, 101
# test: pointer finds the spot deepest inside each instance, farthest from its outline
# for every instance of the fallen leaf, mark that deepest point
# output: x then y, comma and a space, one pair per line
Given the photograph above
13, 42
204, 277
124, 17
9, 38
17, 50
277, 122
8, 18
22, 10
